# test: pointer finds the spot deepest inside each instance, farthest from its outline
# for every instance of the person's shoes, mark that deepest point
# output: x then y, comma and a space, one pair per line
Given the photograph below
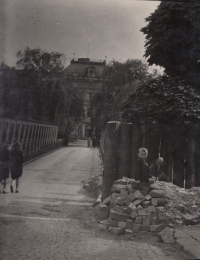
4, 192
17, 191
11, 188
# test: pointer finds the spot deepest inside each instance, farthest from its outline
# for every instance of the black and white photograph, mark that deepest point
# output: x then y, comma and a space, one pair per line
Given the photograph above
99, 130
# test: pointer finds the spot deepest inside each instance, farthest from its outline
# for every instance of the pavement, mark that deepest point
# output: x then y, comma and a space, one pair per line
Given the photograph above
189, 239
52, 216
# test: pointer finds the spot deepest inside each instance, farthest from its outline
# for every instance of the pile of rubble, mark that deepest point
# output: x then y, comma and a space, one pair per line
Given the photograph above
94, 185
133, 207
184, 204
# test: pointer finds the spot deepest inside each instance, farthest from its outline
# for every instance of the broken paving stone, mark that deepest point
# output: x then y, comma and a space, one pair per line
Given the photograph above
161, 227
146, 221
133, 215
141, 185
138, 220
138, 195
125, 210
103, 212
145, 204
143, 192
136, 227
129, 224
136, 202
161, 201
154, 202
149, 216
145, 227
148, 197
128, 232
157, 194
161, 209
167, 236
141, 212
121, 224
124, 194
118, 188
131, 197
139, 207
120, 201
119, 209
131, 208
189, 219
151, 209
113, 223
118, 216
127, 202
114, 195
129, 188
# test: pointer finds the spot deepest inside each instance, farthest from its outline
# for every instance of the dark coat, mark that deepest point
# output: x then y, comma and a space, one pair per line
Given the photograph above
4, 163
16, 164
142, 171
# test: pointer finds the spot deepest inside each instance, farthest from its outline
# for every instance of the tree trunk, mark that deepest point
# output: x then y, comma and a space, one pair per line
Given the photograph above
111, 143
125, 140
191, 169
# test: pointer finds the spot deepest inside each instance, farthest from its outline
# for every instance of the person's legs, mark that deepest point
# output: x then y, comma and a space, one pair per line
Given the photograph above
4, 185
17, 185
11, 185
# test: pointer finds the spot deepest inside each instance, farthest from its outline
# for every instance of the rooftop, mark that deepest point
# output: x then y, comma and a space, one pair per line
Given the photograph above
88, 60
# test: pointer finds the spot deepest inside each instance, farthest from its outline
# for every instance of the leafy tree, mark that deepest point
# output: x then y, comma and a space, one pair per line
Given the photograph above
120, 80
173, 39
40, 92
174, 106
40, 60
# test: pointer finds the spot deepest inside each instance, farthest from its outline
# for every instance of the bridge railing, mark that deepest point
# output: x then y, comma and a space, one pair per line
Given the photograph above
36, 137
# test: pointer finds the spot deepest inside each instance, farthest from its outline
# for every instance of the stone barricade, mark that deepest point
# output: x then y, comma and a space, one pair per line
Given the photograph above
133, 207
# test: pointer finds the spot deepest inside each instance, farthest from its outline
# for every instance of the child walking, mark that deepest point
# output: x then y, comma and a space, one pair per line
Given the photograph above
4, 166
16, 165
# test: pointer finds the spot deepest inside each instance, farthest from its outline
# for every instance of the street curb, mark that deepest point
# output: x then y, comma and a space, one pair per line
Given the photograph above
189, 245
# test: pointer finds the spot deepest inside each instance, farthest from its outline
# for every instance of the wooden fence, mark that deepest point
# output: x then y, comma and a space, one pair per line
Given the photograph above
36, 138
119, 146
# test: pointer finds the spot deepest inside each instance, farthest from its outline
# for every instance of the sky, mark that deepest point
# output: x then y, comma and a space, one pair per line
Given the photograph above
88, 28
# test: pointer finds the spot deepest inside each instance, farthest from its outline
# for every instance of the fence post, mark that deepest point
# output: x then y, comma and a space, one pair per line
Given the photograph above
125, 144
110, 157
134, 150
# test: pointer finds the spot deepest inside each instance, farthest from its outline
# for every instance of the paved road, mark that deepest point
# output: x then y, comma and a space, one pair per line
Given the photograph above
52, 218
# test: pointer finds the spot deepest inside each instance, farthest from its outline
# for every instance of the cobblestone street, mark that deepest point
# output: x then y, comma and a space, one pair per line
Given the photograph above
51, 217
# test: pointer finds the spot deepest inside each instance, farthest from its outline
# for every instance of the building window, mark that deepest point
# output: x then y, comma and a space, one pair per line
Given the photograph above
75, 73
91, 72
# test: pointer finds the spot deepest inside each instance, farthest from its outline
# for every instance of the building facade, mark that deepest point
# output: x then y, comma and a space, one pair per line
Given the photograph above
87, 76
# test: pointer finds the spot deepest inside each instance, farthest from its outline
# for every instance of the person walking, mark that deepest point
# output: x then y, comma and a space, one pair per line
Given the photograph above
89, 141
4, 166
94, 141
16, 165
